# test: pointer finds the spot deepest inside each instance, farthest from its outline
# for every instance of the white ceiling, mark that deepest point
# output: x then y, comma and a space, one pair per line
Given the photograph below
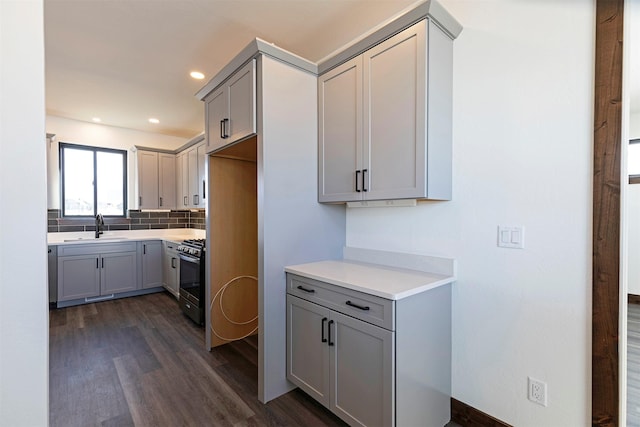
125, 61
128, 60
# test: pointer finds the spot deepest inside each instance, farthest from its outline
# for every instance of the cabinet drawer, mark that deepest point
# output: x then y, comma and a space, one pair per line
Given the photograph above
100, 248
369, 308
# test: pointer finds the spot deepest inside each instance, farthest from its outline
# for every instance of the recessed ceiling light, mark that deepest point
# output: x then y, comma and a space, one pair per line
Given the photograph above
96, 119
154, 121
197, 75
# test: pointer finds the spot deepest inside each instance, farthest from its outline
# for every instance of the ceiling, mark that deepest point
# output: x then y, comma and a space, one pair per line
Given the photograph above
125, 61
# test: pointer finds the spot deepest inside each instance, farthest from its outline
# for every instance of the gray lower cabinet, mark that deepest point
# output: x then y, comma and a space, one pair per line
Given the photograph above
344, 363
151, 260
371, 361
171, 268
88, 271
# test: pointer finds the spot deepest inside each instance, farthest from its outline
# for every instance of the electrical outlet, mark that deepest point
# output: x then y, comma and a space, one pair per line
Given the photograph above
537, 391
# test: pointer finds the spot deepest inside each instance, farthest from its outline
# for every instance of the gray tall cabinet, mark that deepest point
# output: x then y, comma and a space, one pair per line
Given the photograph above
273, 219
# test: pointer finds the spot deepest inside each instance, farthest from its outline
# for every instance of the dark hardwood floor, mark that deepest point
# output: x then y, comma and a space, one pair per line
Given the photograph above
140, 362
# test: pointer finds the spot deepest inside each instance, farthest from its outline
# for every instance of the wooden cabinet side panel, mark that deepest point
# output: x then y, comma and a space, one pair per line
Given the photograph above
394, 111
232, 247
340, 133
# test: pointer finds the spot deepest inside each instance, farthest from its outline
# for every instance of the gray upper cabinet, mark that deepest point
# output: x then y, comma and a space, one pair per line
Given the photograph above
340, 132
167, 181
230, 110
156, 180
385, 120
147, 163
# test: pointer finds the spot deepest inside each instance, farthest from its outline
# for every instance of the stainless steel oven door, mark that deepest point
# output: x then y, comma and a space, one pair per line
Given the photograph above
190, 277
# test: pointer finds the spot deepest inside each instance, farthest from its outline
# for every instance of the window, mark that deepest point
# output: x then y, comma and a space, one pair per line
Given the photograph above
93, 180
634, 161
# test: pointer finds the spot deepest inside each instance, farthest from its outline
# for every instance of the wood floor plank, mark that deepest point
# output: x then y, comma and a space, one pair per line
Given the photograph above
140, 362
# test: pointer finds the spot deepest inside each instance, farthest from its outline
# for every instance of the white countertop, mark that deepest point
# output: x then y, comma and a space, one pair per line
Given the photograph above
176, 235
374, 279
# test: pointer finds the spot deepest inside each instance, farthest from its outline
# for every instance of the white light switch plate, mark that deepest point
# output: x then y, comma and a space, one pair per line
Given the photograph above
511, 237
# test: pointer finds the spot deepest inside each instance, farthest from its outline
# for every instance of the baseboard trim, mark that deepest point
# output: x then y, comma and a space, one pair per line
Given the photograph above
633, 299
468, 416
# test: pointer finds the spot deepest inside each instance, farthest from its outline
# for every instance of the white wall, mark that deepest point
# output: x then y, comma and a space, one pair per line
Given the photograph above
523, 108
24, 328
97, 135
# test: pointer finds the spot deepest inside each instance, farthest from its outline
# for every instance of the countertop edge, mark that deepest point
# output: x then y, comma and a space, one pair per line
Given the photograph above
442, 280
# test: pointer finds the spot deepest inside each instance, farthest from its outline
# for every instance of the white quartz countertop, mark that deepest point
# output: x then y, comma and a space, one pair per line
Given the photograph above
374, 279
176, 235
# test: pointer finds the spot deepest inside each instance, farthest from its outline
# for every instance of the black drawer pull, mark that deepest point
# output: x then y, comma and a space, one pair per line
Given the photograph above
324, 319
331, 343
357, 306
309, 291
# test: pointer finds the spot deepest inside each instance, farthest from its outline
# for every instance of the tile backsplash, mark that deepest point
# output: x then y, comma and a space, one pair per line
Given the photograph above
137, 220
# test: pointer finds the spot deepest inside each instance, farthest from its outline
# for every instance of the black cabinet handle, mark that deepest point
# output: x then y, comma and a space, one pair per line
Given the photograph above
97, 262
309, 291
184, 200
102, 262
144, 249
160, 201
331, 343
226, 128
357, 176
364, 180
204, 192
324, 319
140, 200
365, 308
222, 128
49, 251
173, 264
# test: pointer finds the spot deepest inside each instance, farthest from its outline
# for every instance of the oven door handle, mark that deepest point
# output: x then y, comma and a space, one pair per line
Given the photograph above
187, 258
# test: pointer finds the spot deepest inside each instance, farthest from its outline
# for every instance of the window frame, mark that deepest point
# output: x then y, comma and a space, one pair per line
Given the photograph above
94, 150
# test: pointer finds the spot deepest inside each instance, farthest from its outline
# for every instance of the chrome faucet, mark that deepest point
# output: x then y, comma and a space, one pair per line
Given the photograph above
99, 225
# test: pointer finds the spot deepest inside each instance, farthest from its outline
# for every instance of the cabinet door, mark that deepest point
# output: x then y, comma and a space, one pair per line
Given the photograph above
192, 160
362, 372
185, 181
151, 253
170, 268
394, 111
242, 103
78, 277
167, 181
307, 354
340, 133
202, 174
118, 272
216, 112
147, 179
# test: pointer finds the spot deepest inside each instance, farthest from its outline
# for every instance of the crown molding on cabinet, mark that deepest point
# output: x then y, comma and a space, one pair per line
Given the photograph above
256, 47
